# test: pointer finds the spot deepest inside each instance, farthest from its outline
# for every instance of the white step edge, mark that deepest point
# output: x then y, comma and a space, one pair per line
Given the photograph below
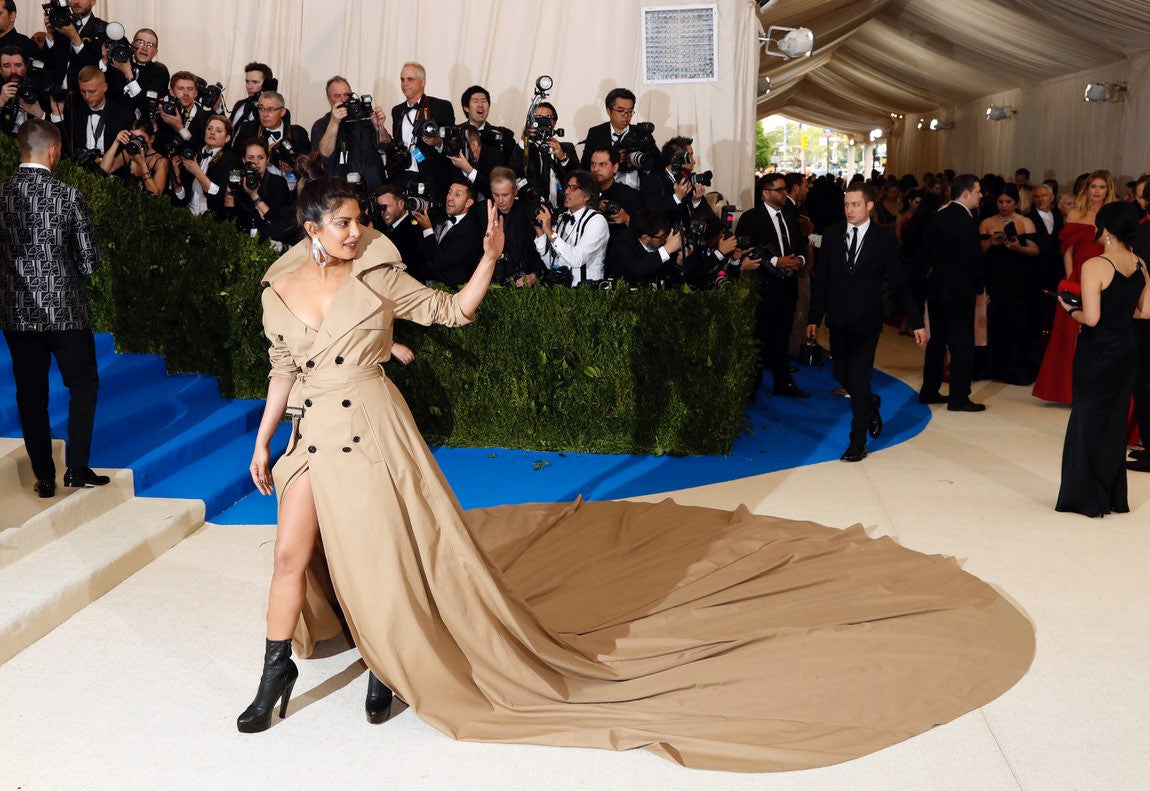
44, 589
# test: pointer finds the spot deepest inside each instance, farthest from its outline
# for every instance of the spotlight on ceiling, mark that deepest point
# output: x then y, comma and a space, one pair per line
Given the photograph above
764, 86
852, 142
876, 134
936, 125
766, 5
798, 42
1106, 92
897, 116
997, 113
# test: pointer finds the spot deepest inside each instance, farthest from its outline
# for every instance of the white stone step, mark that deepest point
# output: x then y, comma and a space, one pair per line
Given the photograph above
44, 588
29, 522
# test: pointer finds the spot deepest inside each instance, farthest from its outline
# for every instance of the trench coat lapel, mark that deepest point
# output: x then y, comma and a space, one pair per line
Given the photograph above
354, 301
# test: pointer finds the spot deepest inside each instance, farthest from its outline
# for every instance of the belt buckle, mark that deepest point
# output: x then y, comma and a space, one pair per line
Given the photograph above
293, 412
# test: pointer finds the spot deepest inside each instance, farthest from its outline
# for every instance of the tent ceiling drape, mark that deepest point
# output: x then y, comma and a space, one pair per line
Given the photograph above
877, 57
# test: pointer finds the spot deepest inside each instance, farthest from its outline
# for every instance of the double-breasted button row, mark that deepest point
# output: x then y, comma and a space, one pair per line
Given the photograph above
339, 361
311, 448
307, 402
346, 403
310, 363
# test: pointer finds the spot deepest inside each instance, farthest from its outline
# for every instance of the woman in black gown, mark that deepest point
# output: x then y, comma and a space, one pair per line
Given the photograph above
1114, 292
1008, 241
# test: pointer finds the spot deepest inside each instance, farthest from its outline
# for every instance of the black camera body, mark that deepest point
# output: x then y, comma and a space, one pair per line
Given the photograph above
60, 14
359, 108
396, 156
135, 146
418, 198
169, 106
283, 153
454, 140
545, 131
181, 148
120, 51
635, 149
37, 84
250, 178
208, 95
88, 158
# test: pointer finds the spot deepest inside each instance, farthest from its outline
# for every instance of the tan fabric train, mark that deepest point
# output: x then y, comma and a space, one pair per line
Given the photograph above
717, 639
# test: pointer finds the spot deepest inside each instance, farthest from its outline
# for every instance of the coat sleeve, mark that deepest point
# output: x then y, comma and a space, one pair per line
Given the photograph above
283, 365
416, 302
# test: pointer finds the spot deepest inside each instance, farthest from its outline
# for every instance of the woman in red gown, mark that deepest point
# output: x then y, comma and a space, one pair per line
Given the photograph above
1078, 246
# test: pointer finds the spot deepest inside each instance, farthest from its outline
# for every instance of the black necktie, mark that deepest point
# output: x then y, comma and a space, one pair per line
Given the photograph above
783, 230
854, 248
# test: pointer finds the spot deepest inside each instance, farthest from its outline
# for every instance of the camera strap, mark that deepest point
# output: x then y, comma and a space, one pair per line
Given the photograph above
97, 129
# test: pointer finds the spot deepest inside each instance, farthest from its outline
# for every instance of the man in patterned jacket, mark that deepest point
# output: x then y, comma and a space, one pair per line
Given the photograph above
47, 250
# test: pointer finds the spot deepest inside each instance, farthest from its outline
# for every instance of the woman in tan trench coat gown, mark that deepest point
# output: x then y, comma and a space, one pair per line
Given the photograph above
717, 639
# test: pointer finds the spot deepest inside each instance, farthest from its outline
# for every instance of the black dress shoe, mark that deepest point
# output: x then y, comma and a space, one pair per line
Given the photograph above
1139, 454
378, 703
875, 427
854, 453
931, 398
1141, 465
45, 488
84, 478
792, 391
965, 406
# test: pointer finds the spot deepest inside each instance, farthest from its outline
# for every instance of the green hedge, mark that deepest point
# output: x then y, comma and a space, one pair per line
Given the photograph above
542, 368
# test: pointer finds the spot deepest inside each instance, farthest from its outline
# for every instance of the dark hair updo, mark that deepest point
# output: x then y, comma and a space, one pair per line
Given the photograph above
1120, 219
322, 196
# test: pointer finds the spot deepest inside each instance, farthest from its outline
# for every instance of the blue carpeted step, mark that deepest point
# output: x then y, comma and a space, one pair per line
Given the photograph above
219, 478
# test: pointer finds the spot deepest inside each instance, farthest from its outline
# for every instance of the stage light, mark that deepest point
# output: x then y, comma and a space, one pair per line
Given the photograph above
937, 125
766, 5
764, 86
997, 113
1106, 92
876, 134
798, 42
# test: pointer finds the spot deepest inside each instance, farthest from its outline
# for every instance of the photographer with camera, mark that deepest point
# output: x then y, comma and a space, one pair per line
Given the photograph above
74, 37
617, 202
199, 181
257, 79
9, 36
140, 79
675, 189
628, 138
285, 141
347, 136
418, 107
90, 125
259, 201
487, 146
520, 263
643, 252
179, 117
399, 225
453, 247
21, 95
133, 160
548, 160
578, 241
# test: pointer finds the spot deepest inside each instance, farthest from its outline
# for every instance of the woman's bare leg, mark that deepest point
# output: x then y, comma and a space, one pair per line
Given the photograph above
295, 540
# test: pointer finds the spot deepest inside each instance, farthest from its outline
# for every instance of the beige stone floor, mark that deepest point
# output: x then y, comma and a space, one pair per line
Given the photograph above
141, 689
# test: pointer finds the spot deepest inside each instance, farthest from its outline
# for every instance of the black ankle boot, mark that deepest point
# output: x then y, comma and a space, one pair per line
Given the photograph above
277, 681
378, 703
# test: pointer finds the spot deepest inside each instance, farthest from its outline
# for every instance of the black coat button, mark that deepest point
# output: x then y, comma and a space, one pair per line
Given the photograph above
307, 402
311, 363
346, 403
347, 450
339, 361
355, 439
280, 337
311, 448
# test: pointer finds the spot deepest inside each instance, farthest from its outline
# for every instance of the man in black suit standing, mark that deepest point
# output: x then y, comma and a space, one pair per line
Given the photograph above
416, 108
47, 250
520, 263
401, 227
767, 225
548, 162
1142, 379
74, 46
131, 82
670, 189
454, 246
93, 122
349, 146
957, 277
9, 36
618, 132
855, 260
1048, 266
272, 128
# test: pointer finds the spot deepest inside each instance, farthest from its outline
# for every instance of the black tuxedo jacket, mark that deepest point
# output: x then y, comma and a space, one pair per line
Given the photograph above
599, 136
1049, 248
853, 299
152, 76
74, 128
628, 259
799, 240
453, 260
14, 39
166, 136
439, 110
957, 265
540, 171
407, 237
757, 224
657, 190
519, 254
63, 60
279, 223
359, 140
217, 172
298, 136
627, 197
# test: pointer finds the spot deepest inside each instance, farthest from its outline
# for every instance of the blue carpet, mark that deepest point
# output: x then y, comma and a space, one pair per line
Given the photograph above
181, 439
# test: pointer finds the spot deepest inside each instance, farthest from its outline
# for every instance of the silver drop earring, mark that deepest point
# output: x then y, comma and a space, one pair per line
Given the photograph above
318, 254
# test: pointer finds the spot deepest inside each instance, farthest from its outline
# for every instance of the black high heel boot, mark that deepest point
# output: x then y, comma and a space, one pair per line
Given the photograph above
277, 681
378, 703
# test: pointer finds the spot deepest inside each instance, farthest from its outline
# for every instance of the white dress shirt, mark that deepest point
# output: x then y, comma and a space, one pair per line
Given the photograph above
580, 241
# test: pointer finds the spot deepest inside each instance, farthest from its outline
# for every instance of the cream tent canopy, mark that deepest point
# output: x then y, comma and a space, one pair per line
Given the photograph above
875, 58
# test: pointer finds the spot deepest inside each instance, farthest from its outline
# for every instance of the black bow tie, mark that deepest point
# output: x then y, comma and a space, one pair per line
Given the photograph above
273, 136
96, 112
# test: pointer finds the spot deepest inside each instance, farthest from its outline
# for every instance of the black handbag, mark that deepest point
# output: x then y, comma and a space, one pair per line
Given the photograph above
811, 354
